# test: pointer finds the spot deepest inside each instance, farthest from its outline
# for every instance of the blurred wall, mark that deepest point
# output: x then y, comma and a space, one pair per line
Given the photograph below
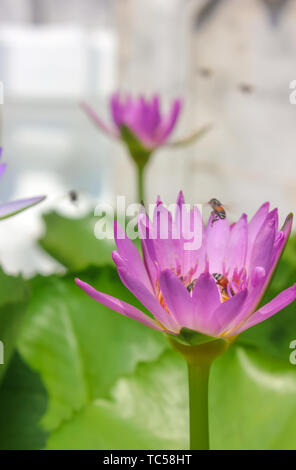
231, 60
248, 48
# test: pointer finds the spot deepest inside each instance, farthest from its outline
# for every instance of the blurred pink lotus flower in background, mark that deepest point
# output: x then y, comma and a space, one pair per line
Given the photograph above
8, 209
141, 116
140, 125
214, 290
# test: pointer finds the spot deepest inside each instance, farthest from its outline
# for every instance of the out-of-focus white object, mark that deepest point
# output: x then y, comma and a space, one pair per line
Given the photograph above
18, 250
49, 145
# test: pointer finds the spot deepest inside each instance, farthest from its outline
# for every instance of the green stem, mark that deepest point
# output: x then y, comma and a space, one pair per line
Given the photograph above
198, 380
140, 176
199, 359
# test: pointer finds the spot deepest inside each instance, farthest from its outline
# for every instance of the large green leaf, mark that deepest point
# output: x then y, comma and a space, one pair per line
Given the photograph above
148, 410
113, 383
13, 299
79, 346
252, 401
23, 401
252, 406
72, 242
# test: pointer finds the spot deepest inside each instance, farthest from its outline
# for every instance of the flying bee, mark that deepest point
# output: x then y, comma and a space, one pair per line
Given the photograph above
246, 87
205, 72
73, 196
222, 282
218, 210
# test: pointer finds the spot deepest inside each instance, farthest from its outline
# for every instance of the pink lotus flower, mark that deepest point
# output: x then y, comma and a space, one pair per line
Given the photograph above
141, 116
215, 289
8, 209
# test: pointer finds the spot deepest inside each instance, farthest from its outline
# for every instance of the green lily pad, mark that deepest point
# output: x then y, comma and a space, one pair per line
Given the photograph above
252, 406
72, 242
147, 410
252, 401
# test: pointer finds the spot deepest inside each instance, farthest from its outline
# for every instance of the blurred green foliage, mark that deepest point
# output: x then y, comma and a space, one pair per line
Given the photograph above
14, 296
23, 401
80, 347
72, 241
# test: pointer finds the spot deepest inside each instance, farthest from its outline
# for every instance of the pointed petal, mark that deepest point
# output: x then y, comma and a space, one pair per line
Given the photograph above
116, 109
169, 122
148, 248
180, 198
224, 315
254, 226
2, 168
282, 238
280, 243
264, 242
9, 209
143, 294
271, 308
167, 248
118, 305
98, 121
236, 250
206, 299
260, 278
177, 298
286, 228
179, 210
192, 227
193, 246
152, 115
191, 138
2, 165
217, 236
257, 220
255, 294
129, 252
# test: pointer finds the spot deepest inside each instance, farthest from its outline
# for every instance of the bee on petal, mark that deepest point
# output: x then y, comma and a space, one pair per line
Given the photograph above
223, 283
190, 286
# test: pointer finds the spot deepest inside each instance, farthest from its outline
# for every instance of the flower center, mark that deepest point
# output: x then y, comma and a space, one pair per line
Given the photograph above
228, 287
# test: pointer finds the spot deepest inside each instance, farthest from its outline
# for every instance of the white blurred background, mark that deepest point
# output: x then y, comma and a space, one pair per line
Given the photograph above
231, 60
